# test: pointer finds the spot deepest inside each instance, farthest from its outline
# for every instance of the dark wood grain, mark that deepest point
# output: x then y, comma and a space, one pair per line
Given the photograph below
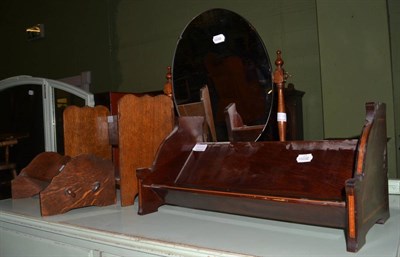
368, 189
258, 169
38, 174
344, 185
86, 180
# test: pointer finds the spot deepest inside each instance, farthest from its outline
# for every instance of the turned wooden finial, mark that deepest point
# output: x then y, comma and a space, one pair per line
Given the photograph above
279, 73
168, 83
279, 80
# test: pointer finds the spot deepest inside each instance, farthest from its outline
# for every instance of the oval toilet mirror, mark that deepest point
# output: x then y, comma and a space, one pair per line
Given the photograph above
222, 50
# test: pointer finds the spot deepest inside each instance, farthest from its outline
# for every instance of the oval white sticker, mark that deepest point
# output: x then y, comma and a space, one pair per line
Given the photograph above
220, 38
301, 158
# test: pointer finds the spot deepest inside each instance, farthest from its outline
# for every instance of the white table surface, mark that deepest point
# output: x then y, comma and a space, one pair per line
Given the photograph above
211, 233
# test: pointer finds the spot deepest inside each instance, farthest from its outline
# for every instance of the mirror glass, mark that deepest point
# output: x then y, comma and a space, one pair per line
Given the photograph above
222, 50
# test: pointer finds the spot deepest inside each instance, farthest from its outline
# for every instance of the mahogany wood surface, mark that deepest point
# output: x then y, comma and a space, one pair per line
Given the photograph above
254, 168
344, 185
144, 122
367, 191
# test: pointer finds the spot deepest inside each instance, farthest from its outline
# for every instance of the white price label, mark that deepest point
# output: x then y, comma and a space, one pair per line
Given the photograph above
199, 147
220, 38
302, 158
282, 116
110, 119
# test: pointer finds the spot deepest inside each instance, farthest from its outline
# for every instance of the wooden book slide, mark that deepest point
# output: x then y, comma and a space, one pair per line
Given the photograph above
65, 183
143, 123
86, 131
333, 183
204, 109
237, 131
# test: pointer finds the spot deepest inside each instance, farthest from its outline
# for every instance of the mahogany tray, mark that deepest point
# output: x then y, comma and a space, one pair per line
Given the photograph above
334, 183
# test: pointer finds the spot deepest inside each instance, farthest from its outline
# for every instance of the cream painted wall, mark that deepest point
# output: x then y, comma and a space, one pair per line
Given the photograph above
148, 32
355, 66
